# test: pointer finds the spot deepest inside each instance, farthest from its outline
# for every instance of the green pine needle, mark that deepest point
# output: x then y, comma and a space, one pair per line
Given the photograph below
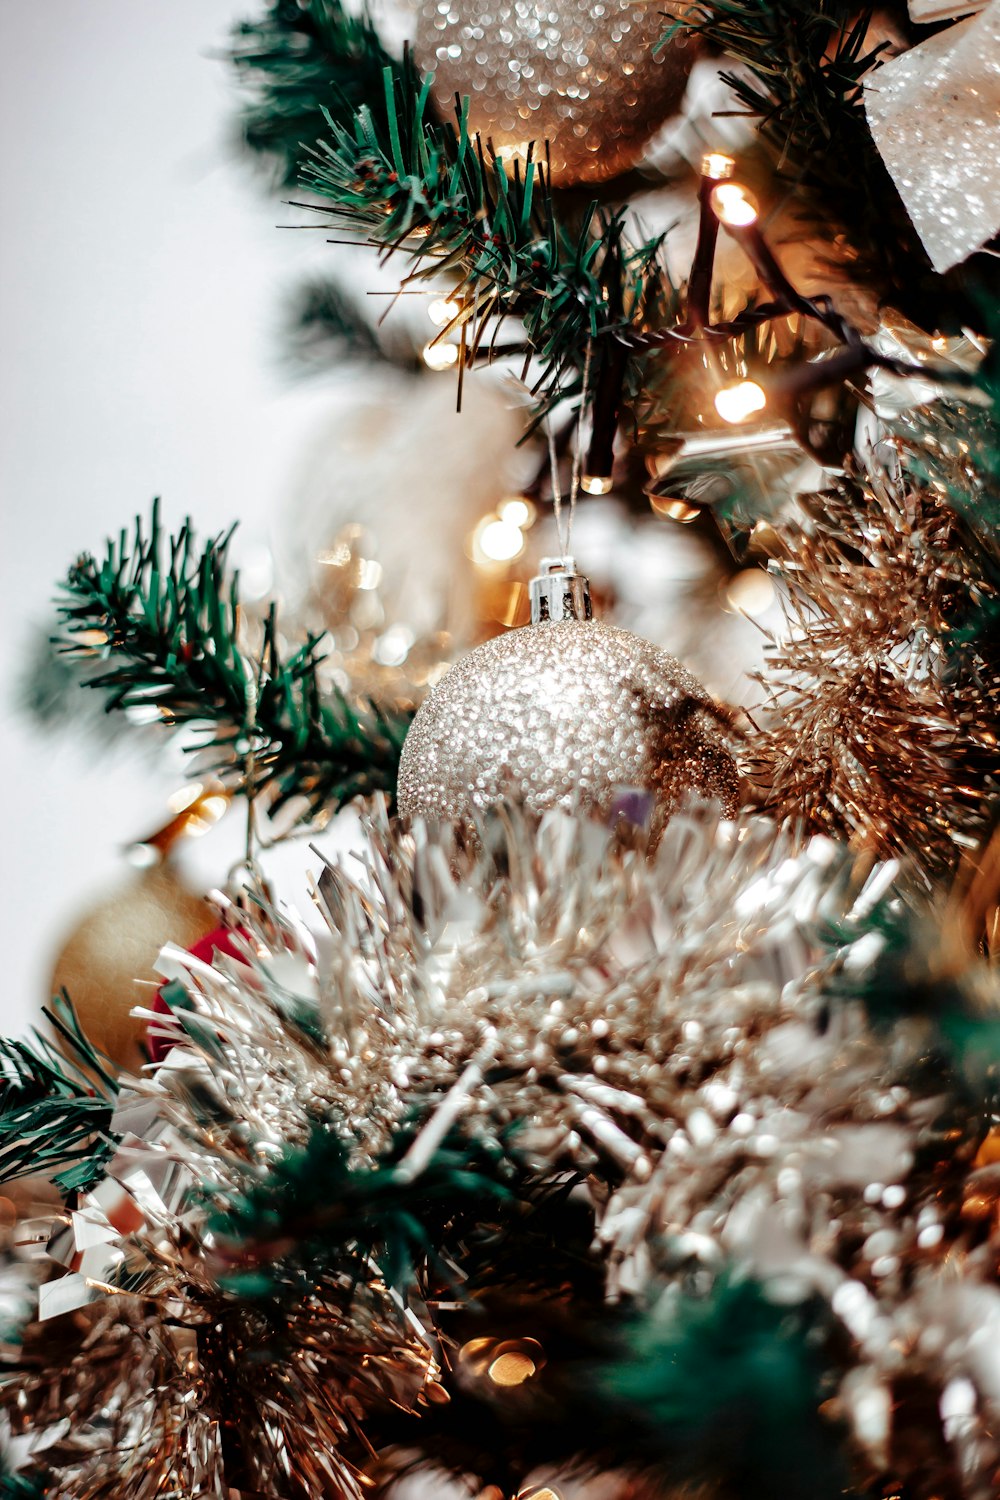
314, 1212
728, 1385
165, 617
56, 1103
23, 1486
323, 326
434, 193
300, 58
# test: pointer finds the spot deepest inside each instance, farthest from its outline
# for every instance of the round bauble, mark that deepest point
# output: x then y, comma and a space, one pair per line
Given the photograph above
106, 963
581, 75
564, 714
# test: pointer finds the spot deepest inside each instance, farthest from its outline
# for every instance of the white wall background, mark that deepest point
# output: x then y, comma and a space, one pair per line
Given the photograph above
141, 272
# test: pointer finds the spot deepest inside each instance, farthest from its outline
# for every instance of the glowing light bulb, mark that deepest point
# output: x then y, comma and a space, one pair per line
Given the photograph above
442, 310
517, 511
675, 508
185, 796
440, 356
596, 484
751, 592
513, 1367
496, 541
717, 165
734, 205
735, 403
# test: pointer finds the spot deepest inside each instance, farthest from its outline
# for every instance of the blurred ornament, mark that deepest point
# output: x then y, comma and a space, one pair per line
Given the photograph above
106, 963
934, 113
565, 712
583, 77
458, 467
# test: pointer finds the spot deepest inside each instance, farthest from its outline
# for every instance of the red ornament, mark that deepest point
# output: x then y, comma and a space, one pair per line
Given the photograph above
221, 940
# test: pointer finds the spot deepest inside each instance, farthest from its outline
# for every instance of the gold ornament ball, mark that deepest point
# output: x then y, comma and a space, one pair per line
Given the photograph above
581, 75
565, 715
112, 949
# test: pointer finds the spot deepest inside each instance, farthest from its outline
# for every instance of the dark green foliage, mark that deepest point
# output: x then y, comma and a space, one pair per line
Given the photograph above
56, 1104
728, 1386
314, 1211
806, 62
720, 1387
299, 58
953, 447
167, 620
915, 976
407, 183
23, 1486
323, 326
48, 689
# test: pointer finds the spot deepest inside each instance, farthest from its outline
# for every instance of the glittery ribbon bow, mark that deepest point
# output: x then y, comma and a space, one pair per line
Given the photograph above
934, 113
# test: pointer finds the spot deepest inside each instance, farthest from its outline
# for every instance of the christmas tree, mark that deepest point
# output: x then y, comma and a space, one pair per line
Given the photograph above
625, 1126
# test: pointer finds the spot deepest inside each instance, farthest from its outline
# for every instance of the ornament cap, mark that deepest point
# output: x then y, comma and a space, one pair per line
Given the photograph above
559, 592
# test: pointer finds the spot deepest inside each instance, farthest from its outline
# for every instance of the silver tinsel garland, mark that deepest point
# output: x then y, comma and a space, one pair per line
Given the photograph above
661, 1027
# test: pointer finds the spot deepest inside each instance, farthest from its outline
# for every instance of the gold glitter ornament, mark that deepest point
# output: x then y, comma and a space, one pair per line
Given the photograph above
106, 962
583, 76
565, 712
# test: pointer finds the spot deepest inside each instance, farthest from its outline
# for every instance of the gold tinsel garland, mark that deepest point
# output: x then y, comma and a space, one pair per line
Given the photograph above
881, 710
659, 1027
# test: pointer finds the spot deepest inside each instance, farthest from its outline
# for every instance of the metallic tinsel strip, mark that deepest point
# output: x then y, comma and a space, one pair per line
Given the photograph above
660, 1025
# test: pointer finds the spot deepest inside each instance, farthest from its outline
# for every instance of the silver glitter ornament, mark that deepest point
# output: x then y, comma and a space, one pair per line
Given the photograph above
581, 75
934, 114
564, 712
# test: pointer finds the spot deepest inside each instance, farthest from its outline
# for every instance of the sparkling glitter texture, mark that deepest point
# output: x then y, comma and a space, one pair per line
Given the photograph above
934, 113
564, 715
581, 76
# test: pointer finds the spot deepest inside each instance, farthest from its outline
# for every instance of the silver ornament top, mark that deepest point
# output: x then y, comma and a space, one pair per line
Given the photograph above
559, 592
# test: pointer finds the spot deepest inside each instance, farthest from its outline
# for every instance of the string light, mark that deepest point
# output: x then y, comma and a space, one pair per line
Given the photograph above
674, 508
499, 536
183, 798
751, 592
513, 1367
440, 356
717, 165
734, 205
596, 484
735, 403
517, 511
443, 310
507, 1362
496, 541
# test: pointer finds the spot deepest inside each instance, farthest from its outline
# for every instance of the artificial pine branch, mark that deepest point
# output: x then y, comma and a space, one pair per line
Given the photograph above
56, 1104
300, 58
438, 195
324, 326
315, 1213
165, 619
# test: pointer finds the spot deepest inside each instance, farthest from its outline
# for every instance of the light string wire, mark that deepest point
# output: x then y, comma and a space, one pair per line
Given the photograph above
565, 536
